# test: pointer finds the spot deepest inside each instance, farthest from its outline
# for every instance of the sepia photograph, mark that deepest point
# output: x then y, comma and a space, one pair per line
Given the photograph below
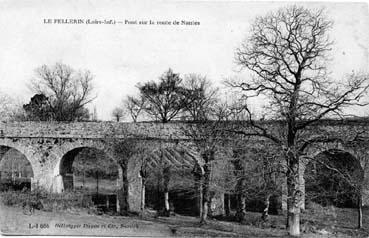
179, 118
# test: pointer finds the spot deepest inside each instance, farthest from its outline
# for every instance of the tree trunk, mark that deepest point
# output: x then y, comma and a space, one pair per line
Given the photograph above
210, 211
166, 203
265, 214
123, 192
360, 212
240, 188
241, 210
83, 179
294, 224
294, 195
158, 204
198, 184
166, 173
206, 194
201, 200
204, 214
143, 190
97, 183
107, 202
227, 203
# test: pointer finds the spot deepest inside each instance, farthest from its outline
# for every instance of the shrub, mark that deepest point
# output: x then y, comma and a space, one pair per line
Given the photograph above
43, 200
316, 208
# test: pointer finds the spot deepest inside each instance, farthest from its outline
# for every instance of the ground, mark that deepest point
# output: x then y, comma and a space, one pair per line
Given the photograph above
13, 221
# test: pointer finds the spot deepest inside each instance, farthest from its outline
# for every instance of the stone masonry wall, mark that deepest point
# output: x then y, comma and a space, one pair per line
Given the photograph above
91, 130
45, 155
141, 129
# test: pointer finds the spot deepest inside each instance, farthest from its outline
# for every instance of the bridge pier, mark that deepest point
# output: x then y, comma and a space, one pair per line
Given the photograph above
217, 204
134, 184
58, 186
40, 181
284, 195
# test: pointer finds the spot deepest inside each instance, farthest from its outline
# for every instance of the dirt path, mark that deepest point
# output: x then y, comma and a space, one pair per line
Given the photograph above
13, 221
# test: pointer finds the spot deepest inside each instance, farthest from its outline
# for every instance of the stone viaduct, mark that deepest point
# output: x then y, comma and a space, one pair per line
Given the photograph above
45, 145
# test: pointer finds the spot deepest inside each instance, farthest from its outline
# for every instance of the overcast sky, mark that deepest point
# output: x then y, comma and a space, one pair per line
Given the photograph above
120, 56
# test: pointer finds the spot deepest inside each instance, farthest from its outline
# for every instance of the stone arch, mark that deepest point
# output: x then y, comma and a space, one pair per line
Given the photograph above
173, 166
358, 150
134, 166
318, 148
65, 162
335, 155
15, 168
67, 153
24, 148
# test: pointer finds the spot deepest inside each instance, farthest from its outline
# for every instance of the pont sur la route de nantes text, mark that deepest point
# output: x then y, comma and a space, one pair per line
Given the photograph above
80, 21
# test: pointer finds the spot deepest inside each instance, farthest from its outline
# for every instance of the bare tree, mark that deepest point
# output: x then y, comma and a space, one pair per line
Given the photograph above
118, 113
286, 53
207, 135
134, 106
67, 90
229, 110
164, 100
125, 150
10, 109
201, 98
253, 175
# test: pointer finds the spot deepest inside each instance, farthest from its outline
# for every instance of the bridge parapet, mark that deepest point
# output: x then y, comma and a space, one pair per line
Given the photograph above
173, 130
91, 130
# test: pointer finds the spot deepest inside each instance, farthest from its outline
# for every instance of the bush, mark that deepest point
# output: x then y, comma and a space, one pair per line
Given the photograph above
317, 209
10, 198
42, 200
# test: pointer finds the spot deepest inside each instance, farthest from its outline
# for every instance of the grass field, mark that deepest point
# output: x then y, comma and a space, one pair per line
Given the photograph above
105, 186
316, 221
13, 221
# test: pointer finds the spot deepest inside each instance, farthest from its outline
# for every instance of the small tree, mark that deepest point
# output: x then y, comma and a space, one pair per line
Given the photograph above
164, 100
117, 113
201, 97
207, 135
286, 53
134, 106
126, 150
252, 175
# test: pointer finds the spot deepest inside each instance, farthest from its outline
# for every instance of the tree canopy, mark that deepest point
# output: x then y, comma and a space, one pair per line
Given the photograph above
164, 100
61, 94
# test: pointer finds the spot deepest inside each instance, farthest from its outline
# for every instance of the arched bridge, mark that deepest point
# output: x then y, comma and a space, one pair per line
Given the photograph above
47, 144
